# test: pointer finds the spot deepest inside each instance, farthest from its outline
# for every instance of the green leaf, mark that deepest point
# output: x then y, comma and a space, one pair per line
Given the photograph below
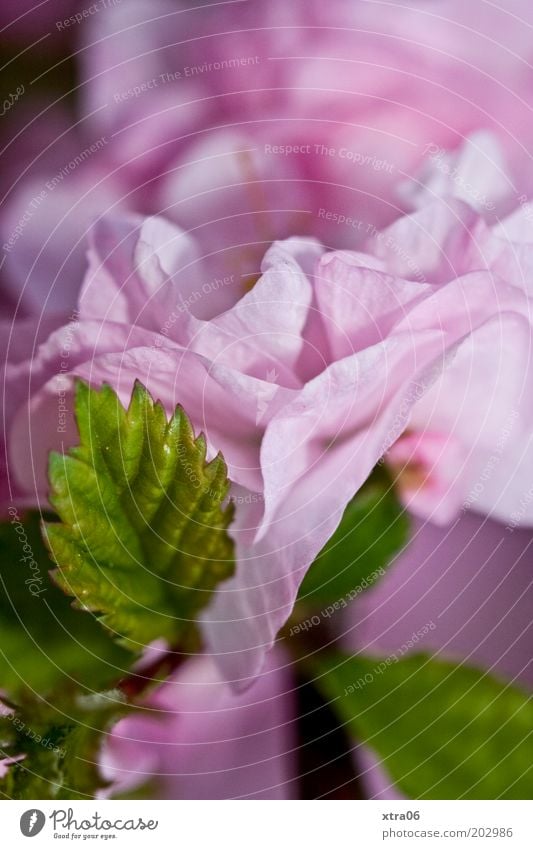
45, 645
443, 731
142, 540
56, 754
373, 529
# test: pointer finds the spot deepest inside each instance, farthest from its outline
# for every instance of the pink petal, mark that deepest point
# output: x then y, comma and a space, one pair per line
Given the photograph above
199, 740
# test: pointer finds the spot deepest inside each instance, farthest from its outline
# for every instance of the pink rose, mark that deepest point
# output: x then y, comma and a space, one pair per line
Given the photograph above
303, 383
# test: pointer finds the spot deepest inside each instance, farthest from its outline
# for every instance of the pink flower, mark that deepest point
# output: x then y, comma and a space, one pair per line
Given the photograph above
250, 122
262, 118
198, 740
468, 443
303, 383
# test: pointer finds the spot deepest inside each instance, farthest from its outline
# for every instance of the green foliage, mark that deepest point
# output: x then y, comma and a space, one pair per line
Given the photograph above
373, 529
56, 753
443, 731
45, 645
141, 544
142, 540
52, 659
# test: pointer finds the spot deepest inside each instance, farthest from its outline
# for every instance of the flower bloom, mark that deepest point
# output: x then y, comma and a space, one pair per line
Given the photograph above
199, 740
297, 118
304, 383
